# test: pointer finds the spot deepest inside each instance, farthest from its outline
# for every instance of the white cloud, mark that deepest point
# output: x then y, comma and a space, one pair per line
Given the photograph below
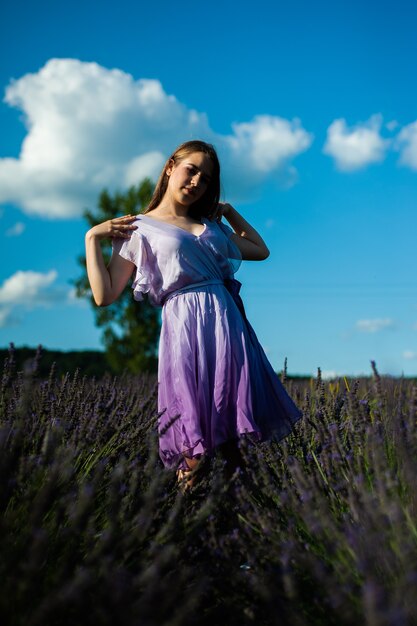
409, 355
406, 143
145, 165
6, 318
90, 127
15, 230
374, 325
26, 290
355, 148
260, 148
268, 142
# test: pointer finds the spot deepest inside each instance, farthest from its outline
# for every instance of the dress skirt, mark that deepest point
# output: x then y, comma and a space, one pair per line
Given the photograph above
215, 381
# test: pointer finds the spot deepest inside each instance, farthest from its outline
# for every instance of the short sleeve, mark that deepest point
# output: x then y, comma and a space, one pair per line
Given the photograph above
233, 253
135, 251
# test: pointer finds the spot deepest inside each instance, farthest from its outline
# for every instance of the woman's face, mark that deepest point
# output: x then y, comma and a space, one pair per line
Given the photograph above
189, 178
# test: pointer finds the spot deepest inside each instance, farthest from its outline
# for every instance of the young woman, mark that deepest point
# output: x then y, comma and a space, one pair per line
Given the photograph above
212, 371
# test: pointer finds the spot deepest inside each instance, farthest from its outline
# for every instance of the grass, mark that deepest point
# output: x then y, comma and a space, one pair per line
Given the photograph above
320, 529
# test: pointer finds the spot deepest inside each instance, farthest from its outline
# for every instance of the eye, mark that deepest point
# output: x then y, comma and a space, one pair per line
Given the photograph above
192, 169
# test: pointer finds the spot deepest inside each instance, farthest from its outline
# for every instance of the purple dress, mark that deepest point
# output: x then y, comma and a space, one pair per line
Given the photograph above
212, 371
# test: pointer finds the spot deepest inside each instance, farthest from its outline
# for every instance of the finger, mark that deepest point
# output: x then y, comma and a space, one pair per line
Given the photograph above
118, 224
120, 234
126, 226
121, 230
123, 218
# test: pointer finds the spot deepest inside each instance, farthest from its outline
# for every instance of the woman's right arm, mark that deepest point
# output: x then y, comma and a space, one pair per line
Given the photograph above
107, 283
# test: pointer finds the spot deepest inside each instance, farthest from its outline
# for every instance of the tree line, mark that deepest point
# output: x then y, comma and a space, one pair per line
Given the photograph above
89, 362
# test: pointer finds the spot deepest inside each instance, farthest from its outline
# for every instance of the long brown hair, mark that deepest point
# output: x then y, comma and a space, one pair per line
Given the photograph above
204, 206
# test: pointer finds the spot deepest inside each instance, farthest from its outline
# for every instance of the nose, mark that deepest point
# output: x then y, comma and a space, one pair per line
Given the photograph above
195, 179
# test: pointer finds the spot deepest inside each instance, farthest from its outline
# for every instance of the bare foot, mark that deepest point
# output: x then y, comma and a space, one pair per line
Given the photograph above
186, 477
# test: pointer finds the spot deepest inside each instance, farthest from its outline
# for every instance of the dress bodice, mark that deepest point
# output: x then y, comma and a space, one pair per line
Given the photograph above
168, 258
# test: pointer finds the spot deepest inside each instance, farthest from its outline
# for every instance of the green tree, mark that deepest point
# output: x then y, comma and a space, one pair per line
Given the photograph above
130, 328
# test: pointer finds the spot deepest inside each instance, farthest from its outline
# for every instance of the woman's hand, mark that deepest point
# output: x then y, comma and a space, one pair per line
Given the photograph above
117, 227
223, 209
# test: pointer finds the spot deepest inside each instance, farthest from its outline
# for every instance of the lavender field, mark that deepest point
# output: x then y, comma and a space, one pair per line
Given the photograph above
319, 529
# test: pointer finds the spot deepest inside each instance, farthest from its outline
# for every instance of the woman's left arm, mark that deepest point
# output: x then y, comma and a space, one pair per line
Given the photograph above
247, 239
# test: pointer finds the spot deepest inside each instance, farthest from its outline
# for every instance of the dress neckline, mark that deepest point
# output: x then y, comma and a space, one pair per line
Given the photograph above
178, 227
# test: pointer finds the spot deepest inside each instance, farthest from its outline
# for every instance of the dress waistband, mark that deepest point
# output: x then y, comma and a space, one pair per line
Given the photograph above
202, 283
232, 285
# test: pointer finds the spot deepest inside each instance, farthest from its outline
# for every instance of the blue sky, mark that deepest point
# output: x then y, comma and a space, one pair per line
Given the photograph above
313, 108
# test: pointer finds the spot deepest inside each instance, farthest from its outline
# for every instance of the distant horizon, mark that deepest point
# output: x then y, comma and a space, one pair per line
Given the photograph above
290, 374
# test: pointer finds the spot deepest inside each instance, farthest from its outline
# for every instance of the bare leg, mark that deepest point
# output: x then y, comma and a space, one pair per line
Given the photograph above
185, 482
192, 462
